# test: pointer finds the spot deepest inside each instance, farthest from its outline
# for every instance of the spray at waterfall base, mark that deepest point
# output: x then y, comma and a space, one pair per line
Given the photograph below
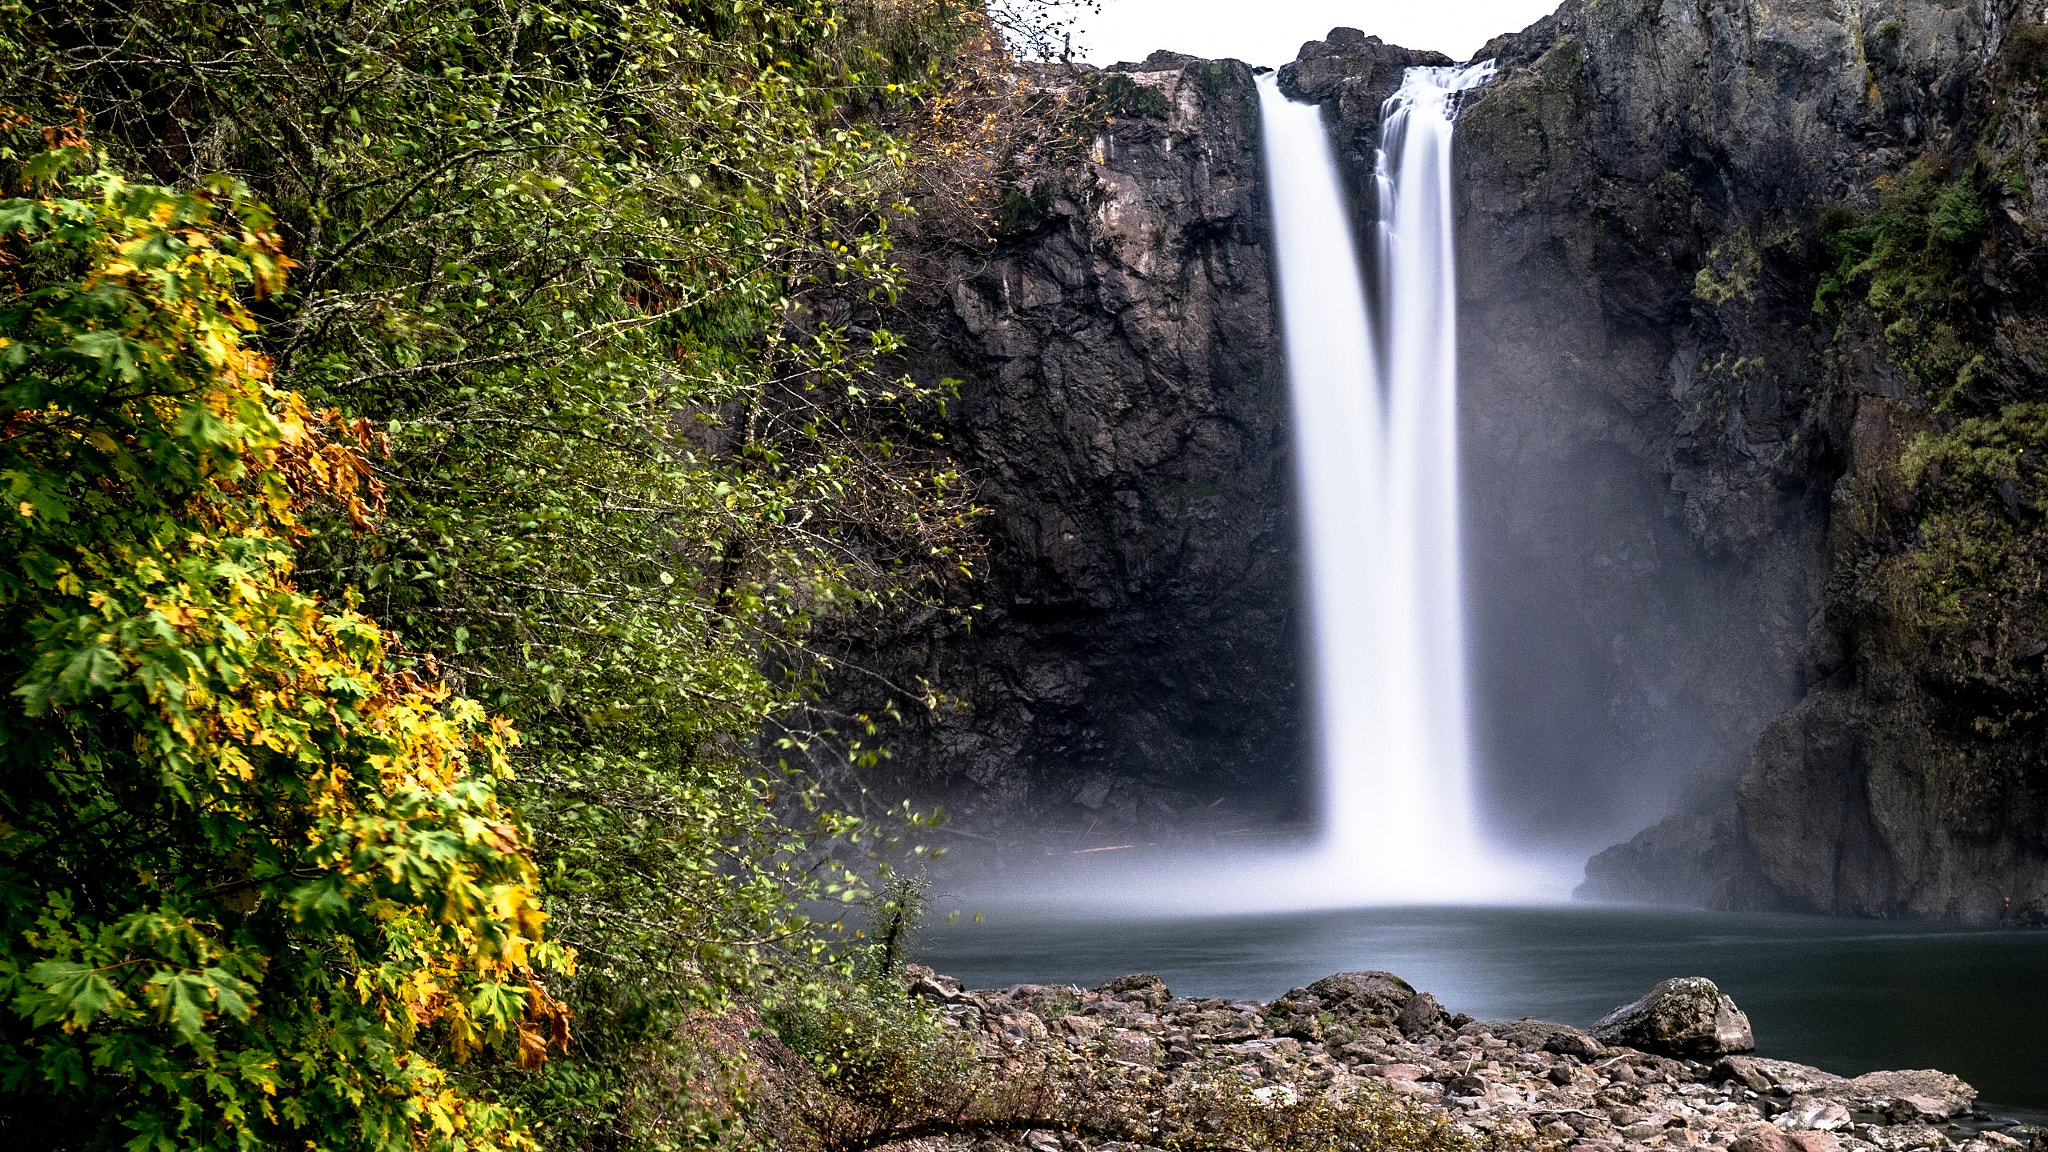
1372, 369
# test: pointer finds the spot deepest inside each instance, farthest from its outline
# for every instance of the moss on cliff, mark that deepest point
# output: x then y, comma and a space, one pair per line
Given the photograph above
1905, 263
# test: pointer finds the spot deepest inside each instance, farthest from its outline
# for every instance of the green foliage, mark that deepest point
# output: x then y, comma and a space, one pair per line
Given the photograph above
894, 916
2025, 53
1731, 272
1117, 95
871, 1043
1967, 601
1225, 1112
602, 277
1906, 262
256, 885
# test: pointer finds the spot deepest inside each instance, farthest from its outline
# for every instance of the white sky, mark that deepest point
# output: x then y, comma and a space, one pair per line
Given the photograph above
1270, 32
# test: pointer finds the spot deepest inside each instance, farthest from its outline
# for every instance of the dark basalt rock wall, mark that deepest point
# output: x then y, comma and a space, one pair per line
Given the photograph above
1647, 495
1681, 475
1135, 660
1646, 187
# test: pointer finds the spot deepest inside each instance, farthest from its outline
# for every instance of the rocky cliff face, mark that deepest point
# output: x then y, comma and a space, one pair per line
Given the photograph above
1752, 346
1750, 341
1134, 660
1724, 223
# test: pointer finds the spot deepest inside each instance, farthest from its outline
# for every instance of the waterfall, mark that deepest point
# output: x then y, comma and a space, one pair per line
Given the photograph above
1374, 395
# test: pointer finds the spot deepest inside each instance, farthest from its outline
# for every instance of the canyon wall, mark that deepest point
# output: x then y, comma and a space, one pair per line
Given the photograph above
1752, 336
1715, 219
1134, 659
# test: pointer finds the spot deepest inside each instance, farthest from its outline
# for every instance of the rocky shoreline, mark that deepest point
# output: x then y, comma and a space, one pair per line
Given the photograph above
1668, 1071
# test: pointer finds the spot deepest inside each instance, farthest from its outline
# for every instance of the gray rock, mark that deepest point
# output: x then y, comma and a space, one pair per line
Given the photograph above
1420, 1016
1140, 987
1133, 658
1763, 1138
1673, 467
1686, 1017
1812, 1114
1905, 1097
1616, 261
1532, 1035
1358, 1002
1690, 860
1761, 1076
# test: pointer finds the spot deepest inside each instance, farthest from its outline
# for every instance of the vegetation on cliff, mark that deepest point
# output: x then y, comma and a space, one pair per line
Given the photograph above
1950, 586
1940, 591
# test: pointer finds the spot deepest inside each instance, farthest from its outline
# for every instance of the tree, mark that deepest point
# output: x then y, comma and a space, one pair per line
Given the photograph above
257, 887
604, 273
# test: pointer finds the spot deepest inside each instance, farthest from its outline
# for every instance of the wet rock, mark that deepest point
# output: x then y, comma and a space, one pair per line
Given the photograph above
1685, 1017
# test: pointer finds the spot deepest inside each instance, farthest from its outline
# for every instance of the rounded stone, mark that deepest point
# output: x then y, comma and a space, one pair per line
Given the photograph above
1686, 1017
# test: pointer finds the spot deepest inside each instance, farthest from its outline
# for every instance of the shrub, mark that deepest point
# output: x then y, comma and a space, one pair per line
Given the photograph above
256, 884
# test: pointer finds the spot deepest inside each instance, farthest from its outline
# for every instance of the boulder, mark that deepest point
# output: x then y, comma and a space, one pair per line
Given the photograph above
1139, 988
1358, 1003
922, 981
1420, 1015
1766, 1138
1761, 1076
1533, 1035
1922, 1096
1685, 1018
1812, 1114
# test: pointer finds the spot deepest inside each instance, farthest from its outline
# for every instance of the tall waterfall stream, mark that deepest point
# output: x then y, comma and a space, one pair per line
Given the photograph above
1374, 385
1373, 379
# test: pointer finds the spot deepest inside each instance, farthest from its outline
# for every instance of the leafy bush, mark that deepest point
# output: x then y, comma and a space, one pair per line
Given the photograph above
604, 276
870, 1042
256, 884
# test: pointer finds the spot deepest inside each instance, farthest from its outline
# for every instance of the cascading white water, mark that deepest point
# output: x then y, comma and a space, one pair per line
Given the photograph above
1374, 393
1375, 416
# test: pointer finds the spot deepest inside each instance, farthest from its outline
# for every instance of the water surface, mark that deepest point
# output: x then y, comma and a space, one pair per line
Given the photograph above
1850, 996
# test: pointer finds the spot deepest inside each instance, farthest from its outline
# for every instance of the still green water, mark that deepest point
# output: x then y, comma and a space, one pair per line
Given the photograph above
1850, 996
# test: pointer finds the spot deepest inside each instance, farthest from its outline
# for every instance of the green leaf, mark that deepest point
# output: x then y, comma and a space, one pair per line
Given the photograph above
77, 993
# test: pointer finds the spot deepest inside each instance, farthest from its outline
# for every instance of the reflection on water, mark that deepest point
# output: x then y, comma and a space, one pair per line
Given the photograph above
1850, 996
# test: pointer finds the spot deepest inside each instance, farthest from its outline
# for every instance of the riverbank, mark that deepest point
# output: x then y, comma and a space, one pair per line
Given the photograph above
1524, 1082
1847, 995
